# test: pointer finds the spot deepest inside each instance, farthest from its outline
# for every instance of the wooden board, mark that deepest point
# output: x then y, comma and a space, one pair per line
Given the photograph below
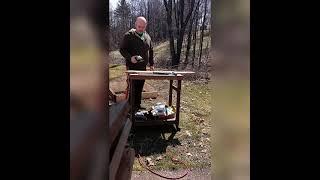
156, 76
145, 95
117, 155
120, 87
117, 116
154, 122
160, 72
126, 165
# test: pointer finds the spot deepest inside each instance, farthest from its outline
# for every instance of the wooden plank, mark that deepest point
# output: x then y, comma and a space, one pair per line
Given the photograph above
155, 122
178, 103
160, 72
170, 92
117, 116
148, 95
155, 76
112, 95
126, 165
115, 162
145, 95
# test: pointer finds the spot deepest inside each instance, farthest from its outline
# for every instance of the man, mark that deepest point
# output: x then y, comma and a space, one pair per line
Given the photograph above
136, 48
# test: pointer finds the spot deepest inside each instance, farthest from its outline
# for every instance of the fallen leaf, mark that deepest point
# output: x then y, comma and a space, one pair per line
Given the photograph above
149, 162
204, 131
159, 158
175, 160
188, 133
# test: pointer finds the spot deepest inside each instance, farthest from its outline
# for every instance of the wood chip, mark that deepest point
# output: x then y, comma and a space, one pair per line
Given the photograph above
159, 158
149, 162
204, 151
175, 160
188, 133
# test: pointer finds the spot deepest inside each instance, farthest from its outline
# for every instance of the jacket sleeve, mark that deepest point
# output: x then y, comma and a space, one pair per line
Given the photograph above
151, 62
124, 48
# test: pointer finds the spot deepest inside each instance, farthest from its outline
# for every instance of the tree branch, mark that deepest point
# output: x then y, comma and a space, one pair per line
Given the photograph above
189, 13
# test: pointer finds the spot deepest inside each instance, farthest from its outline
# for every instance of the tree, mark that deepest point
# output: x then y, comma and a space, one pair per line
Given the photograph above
195, 35
122, 16
181, 24
202, 30
195, 13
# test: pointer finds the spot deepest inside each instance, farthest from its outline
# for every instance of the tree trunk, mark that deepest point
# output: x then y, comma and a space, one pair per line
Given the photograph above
188, 43
168, 6
202, 31
195, 37
190, 33
180, 31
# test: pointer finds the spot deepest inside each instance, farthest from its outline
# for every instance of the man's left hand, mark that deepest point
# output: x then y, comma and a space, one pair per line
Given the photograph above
151, 68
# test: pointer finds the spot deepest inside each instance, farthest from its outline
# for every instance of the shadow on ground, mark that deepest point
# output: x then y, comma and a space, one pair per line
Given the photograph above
152, 140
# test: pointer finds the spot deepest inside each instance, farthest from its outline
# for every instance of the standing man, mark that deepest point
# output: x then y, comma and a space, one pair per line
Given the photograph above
136, 48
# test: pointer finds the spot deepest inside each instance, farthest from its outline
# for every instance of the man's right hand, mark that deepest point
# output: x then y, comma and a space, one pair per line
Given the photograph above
133, 59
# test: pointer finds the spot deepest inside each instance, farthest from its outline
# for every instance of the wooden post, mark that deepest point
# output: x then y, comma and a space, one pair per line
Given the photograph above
178, 105
170, 93
131, 101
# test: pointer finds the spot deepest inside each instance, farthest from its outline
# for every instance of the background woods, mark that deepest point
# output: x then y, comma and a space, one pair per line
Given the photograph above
179, 30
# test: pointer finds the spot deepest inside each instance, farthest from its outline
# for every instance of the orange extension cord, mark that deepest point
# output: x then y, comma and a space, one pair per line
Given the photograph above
144, 166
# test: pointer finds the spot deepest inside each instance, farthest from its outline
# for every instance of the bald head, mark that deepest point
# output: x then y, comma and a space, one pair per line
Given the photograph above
141, 24
142, 19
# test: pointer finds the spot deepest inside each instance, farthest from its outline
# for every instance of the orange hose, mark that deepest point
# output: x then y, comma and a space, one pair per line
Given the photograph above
160, 174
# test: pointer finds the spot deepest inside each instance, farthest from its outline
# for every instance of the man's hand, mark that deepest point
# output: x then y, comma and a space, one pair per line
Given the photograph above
151, 68
133, 59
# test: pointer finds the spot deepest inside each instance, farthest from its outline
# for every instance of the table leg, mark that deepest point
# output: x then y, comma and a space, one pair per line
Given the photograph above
178, 105
170, 93
131, 102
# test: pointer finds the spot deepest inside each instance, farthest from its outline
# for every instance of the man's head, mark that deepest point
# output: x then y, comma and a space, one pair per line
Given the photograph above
141, 24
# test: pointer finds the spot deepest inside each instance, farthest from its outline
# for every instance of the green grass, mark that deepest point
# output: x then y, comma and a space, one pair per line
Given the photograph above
116, 71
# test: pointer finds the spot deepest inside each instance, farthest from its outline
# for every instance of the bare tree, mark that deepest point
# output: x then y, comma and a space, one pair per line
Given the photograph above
202, 30
181, 25
195, 35
195, 13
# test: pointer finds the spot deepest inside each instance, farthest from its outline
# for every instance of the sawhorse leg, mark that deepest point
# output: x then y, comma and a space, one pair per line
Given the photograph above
178, 105
131, 103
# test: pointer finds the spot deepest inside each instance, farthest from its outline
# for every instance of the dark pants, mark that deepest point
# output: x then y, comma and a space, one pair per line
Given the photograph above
137, 89
137, 92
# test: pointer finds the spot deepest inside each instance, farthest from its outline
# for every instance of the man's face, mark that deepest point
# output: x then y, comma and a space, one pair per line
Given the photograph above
140, 26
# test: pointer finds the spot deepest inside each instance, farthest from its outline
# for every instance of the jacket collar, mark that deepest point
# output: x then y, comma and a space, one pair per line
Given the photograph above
143, 37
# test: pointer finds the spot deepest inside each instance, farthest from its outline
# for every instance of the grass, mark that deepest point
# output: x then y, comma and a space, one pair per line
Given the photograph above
116, 71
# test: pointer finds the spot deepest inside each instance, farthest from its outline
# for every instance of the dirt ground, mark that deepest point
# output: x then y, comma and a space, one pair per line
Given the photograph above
194, 174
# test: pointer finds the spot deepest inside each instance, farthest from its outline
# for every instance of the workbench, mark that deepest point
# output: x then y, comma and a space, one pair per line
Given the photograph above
159, 75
